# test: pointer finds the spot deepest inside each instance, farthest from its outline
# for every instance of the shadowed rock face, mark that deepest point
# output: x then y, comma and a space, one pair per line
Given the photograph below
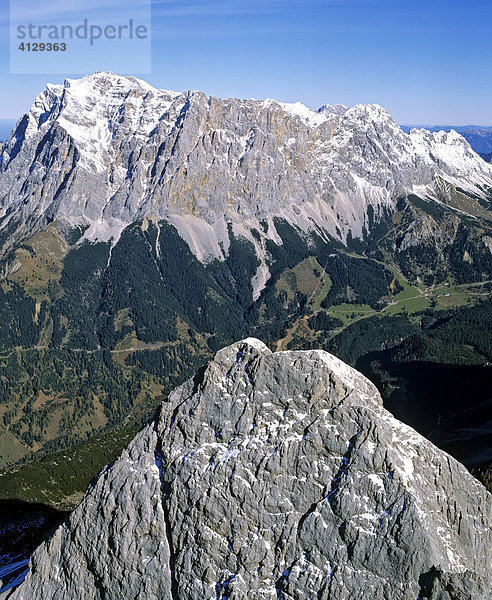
273, 476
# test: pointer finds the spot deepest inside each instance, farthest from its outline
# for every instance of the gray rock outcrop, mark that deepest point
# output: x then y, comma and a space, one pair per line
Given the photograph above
272, 476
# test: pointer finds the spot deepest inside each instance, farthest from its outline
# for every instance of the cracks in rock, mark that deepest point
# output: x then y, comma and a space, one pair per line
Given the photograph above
97, 579
335, 483
324, 593
249, 370
98, 583
307, 428
222, 588
282, 581
339, 404
343, 469
238, 419
165, 495
197, 383
249, 366
310, 511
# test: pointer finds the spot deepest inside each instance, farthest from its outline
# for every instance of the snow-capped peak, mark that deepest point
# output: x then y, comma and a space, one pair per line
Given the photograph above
337, 109
103, 80
114, 147
92, 108
298, 109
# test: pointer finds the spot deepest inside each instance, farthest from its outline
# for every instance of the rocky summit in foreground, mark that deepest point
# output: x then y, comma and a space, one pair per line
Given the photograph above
273, 476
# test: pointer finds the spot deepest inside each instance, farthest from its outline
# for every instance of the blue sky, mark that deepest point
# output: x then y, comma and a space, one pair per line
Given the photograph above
426, 62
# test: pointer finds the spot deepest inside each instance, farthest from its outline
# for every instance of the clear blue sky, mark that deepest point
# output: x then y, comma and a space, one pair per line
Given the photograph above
427, 62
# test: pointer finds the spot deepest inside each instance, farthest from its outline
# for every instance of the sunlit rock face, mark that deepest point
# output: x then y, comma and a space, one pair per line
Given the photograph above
273, 476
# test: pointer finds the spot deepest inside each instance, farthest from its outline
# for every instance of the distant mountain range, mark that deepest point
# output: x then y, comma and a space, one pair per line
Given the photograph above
479, 137
101, 152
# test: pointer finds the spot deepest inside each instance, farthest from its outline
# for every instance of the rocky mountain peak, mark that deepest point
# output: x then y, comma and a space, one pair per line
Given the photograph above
104, 151
337, 109
99, 111
278, 476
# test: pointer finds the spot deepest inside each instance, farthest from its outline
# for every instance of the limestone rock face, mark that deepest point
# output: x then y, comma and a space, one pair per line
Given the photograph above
104, 151
272, 476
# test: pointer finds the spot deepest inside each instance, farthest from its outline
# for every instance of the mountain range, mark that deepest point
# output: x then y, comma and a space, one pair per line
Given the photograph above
479, 137
141, 230
105, 151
